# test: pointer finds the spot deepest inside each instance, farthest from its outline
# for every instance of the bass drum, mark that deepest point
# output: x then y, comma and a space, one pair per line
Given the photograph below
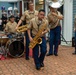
15, 48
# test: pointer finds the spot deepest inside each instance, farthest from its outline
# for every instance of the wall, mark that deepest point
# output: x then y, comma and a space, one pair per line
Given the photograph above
6, 4
68, 21
10, 4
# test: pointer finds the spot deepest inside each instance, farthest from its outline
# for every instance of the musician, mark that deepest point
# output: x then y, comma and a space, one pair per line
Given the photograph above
10, 26
35, 25
54, 18
75, 36
27, 16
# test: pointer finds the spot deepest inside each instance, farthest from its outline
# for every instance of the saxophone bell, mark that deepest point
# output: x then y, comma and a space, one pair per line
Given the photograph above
39, 40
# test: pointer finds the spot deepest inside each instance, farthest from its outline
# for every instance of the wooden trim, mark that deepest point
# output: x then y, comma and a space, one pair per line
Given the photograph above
20, 8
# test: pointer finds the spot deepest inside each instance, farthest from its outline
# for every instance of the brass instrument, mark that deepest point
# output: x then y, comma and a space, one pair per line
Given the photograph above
22, 28
37, 39
55, 3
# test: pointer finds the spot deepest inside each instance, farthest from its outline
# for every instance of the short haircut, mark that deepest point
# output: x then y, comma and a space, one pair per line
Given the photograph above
30, 2
41, 10
12, 16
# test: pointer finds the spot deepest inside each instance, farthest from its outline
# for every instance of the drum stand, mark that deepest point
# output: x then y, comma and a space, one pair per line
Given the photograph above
3, 50
61, 36
63, 39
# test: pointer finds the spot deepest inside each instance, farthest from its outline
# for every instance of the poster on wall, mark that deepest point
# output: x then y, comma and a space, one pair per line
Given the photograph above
3, 8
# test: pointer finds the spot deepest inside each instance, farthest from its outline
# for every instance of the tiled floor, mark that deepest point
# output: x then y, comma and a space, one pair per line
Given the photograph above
64, 64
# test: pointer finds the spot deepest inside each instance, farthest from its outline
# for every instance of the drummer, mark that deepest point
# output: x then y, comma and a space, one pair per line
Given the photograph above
10, 26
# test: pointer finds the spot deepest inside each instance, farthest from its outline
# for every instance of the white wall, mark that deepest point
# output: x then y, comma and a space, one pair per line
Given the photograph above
68, 15
46, 7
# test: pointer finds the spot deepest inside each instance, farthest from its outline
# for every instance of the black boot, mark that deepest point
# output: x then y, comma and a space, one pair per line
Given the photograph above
74, 53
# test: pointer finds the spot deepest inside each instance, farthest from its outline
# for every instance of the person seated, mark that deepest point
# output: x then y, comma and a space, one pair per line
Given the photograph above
10, 26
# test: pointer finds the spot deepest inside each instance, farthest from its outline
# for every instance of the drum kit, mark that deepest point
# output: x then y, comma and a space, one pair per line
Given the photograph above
13, 47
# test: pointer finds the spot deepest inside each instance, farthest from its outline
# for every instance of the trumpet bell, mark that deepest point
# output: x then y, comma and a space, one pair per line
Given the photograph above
22, 28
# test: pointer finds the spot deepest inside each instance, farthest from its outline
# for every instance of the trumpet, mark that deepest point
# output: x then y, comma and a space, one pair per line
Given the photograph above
22, 28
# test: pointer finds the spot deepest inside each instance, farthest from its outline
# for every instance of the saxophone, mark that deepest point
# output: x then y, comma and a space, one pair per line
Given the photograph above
37, 39
22, 28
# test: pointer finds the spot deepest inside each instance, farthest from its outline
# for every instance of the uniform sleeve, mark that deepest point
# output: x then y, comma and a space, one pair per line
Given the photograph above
50, 19
15, 23
36, 13
59, 14
47, 25
30, 24
23, 16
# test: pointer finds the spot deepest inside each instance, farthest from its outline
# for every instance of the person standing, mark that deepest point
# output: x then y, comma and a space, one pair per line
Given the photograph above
75, 36
27, 16
36, 25
54, 17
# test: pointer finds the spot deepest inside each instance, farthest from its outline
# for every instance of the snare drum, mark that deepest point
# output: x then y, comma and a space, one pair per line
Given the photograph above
15, 48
